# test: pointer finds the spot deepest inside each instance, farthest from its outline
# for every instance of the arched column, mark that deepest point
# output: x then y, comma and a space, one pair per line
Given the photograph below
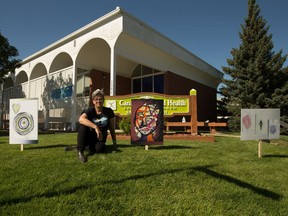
112, 72
74, 98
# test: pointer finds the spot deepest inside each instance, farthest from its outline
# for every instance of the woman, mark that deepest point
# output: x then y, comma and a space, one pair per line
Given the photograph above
94, 123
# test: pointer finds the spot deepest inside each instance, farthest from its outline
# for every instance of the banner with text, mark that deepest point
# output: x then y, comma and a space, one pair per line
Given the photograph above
172, 105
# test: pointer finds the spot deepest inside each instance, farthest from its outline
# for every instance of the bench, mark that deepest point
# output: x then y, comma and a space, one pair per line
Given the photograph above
211, 125
177, 124
57, 123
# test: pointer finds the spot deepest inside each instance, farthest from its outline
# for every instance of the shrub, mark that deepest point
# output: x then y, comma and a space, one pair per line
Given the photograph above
125, 124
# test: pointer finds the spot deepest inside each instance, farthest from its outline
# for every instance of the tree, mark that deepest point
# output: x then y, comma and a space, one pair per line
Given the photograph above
8, 62
256, 73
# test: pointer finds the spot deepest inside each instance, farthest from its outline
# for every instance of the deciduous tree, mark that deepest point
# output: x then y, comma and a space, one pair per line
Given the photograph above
8, 60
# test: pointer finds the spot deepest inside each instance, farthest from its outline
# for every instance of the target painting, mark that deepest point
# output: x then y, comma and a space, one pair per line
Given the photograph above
147, 122
23, 122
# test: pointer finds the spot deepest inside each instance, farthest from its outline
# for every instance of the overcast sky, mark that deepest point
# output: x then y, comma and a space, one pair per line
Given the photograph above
207, 28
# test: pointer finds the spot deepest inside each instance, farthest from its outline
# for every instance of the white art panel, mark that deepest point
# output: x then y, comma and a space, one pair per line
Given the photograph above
23, 121
259, 124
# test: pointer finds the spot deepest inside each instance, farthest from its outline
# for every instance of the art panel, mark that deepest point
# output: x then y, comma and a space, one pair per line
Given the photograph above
147, 122
259, 124
23, 122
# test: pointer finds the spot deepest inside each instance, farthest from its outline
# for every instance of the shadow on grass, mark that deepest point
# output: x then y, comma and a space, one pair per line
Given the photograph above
47, 146
205, 169
68, 191
208, 171
258, 190
275, 156
109, 148
4, 133
69, 147
170, 147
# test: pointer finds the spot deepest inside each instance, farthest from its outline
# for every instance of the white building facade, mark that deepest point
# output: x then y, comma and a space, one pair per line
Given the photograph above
118, 52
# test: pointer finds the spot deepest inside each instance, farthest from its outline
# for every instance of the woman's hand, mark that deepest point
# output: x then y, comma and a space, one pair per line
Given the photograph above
99, 134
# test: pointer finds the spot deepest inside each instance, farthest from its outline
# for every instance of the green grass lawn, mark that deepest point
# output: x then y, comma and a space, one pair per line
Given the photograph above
225, 177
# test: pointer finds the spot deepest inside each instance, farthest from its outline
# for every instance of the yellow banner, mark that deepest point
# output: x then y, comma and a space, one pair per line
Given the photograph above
172, 105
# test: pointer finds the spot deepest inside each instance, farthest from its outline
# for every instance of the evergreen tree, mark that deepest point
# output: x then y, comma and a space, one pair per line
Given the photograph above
8, 62
256, 73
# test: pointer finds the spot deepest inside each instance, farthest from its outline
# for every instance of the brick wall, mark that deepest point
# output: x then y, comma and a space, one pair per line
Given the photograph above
173, 85
206, 96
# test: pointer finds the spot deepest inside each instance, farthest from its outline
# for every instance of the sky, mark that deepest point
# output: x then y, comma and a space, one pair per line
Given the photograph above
207, 28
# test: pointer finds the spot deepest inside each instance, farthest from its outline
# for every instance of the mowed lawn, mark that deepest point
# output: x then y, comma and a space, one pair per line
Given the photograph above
224, 177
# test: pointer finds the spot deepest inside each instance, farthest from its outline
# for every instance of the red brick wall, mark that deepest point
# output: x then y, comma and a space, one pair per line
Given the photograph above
101, 80
206, 96
173, 85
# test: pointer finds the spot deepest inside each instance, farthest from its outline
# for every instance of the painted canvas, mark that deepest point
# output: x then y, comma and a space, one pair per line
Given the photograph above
23, 122
147, 122
259, 124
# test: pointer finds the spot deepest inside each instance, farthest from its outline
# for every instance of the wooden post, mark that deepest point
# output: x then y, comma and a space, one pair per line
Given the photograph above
193, 111
259, 149
22, 147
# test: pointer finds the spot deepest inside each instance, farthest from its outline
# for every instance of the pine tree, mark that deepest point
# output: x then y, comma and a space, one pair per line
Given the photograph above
256, 72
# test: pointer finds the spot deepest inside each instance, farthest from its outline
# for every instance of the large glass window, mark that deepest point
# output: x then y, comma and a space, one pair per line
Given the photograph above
136, 85
147, 85
146, 79
159, 83
83, 83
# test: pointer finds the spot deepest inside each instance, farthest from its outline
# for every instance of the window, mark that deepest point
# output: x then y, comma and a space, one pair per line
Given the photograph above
159, 83
147, 84
146, 79
83, 84
136, 85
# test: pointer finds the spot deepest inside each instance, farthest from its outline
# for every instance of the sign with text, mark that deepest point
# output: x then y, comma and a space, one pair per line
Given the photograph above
172, 105
260, 124
23, 123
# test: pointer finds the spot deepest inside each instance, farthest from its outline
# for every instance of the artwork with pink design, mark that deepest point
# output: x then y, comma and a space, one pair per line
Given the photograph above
259, 124
246, 121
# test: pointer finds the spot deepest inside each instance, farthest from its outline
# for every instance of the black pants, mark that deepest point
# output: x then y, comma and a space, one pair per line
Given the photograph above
88, 137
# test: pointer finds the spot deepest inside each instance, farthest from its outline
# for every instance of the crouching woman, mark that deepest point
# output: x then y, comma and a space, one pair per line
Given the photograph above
94, 124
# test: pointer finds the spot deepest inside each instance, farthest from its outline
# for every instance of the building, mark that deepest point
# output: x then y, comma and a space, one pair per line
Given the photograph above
117, 52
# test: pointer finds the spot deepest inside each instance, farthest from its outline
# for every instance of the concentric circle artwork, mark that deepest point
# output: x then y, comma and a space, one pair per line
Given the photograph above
23, 123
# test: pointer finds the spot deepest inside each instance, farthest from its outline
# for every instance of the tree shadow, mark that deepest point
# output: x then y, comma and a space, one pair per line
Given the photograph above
57, 94
67, 191
141, 176
261, 191
205, 169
